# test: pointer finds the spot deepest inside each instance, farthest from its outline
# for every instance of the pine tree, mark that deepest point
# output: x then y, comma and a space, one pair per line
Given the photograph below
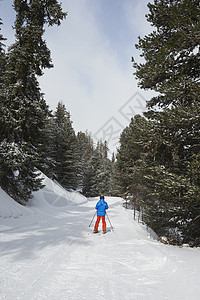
103, 172
175, 145
114, 178
131, 155
97, 172
85, 149
45, 162
23, 108
171, 53
92, 171
171, 68
64, 148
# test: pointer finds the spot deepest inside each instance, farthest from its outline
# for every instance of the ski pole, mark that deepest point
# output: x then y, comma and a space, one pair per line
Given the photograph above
92, 219
109, 222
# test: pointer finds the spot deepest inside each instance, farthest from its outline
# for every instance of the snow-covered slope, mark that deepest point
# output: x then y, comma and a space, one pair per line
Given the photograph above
55, 195
56, 256
10, 208
46, 199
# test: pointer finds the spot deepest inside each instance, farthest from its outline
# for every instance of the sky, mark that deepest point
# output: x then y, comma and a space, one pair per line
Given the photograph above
91, 52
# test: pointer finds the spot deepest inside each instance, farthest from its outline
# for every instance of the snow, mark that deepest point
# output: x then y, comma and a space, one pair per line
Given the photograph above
48, 251
9, 208
55, 195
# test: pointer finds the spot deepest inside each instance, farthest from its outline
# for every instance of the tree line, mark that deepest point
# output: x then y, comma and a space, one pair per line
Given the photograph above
31, 136
73, 159
158, 160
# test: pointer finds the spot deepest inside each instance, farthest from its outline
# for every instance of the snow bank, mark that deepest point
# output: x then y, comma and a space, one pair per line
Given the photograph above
55, 195
10, 208
46, 199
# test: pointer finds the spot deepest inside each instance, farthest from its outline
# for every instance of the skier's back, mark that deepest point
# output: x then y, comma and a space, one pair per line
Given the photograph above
101, 207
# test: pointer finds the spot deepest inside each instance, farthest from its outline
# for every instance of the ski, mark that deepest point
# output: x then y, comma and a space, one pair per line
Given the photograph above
106, 231
101, 232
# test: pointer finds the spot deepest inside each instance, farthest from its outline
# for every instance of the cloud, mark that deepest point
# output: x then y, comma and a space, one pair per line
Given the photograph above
135, 12
89, 75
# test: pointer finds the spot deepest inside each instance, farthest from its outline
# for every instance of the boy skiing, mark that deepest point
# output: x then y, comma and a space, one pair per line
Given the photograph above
101, 207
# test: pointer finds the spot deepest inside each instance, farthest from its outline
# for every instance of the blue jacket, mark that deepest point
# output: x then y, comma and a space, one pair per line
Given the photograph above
101, 207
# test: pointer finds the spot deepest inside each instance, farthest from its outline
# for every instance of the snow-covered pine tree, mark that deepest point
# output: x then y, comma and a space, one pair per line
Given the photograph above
23, 109
63, 148
103, 172
45, 162
171, 53
90, 185
97, 172
173, 179
171, 68
85, 149
114, 178
131, 156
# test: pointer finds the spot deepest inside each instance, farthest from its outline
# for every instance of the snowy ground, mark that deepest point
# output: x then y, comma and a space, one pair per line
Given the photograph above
49, 252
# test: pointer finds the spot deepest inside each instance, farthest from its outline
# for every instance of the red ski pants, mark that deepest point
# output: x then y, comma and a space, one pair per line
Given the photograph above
103, 223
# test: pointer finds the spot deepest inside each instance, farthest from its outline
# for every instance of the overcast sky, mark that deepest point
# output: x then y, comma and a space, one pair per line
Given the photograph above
91, 53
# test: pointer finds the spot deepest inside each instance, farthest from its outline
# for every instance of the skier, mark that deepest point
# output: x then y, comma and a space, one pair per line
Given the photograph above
101, 207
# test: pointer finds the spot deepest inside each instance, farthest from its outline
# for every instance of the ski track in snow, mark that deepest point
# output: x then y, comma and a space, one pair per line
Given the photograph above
54, 256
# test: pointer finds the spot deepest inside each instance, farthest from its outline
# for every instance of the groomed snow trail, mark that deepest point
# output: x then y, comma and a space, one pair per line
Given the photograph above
55, 256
